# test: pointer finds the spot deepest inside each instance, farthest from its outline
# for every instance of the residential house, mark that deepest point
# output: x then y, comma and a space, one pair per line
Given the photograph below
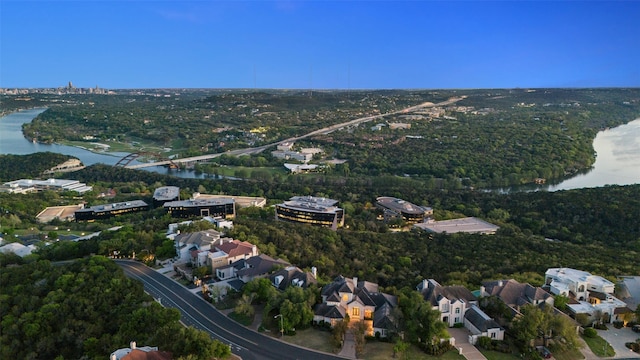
515, 295
630, 292
135, 352
236, 250
293, 276
589, 294
361, 301
480, 324
451, 301
251, 268
201, 240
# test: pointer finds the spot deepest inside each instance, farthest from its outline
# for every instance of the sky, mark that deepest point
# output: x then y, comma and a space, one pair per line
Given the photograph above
319, 44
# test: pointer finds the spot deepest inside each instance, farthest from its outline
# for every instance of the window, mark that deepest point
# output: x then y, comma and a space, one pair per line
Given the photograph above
345, 297
493, 335
457, 310
355, 311
368, 314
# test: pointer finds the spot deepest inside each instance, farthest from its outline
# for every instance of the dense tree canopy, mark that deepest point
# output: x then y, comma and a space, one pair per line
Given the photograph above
87, 308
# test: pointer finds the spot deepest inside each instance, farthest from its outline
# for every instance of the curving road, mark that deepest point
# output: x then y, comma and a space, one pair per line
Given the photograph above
323, 131
196, 312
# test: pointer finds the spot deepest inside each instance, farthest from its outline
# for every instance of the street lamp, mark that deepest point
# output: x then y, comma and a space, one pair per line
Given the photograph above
281, 324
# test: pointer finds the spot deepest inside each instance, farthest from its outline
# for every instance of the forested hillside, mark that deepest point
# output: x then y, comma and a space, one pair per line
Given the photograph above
488, 138
13, 167
86, 309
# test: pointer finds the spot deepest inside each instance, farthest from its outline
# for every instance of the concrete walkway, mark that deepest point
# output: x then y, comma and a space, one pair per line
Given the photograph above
348, 346
469, 351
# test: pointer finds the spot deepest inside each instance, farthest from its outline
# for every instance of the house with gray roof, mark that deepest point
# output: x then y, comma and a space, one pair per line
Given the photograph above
480, 324
515, 294
361, 301
451, 301
293, 276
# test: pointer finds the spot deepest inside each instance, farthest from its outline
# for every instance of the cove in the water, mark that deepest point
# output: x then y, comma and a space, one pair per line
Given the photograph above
617, 149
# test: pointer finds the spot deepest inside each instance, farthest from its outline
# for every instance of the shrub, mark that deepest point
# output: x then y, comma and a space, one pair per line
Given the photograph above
590, 332
485, 342
618, 324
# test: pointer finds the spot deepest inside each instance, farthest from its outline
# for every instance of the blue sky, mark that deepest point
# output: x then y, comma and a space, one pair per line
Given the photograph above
319, 44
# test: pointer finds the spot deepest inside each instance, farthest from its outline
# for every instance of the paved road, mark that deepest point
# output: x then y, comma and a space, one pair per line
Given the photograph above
196, 312
323, 131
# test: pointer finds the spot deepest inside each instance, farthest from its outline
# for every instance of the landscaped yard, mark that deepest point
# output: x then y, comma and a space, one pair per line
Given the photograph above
599, 346
313, 339
574, 354
376, 350
497, 355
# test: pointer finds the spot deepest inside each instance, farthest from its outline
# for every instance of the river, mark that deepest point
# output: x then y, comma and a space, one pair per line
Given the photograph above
617, 161
12, 141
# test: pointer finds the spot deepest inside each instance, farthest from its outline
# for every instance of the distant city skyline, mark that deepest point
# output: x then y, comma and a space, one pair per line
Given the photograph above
319, 44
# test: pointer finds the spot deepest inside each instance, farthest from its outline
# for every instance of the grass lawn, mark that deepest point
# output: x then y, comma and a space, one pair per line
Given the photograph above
599, 346
241, 318
376, 350
313, 339
574, 354
231, 170
497, 355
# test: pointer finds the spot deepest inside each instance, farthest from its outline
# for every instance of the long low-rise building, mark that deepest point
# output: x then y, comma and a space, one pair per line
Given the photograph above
311, 210
240, 201
222, 207
24, 186
464, 225
109, 210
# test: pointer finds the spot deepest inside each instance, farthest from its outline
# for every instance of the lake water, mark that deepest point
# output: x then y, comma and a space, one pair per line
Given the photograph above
617, 163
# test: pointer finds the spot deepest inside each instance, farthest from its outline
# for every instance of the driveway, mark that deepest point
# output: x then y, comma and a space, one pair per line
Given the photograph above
469, 351
617, 338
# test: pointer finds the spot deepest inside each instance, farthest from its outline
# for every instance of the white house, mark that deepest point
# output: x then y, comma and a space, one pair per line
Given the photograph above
451, 301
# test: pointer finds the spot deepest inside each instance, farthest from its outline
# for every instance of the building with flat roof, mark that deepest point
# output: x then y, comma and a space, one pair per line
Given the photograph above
64, 213
311, 210
23, 186
465, 225
398, 208
165, 194
222, 207
241, 201
109, 210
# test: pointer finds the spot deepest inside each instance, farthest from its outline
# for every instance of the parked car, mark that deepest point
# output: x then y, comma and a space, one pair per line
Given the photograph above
636, 328
544, 352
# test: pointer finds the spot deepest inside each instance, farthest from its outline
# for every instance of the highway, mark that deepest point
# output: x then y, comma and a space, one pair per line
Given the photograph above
196, 312
323, 131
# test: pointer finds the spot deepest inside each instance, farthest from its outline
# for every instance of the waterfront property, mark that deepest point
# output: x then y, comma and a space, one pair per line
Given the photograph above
108, 210
222, 207
311, 210
397, 208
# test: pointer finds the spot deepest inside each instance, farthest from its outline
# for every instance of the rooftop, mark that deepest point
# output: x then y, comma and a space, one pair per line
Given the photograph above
465, 225
114, 206
400, 205
166, 193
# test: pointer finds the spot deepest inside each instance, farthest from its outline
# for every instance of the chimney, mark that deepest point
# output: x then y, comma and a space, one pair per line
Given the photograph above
500, 283
424, 285
314, 271
113, 357
355, 281
133, 345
